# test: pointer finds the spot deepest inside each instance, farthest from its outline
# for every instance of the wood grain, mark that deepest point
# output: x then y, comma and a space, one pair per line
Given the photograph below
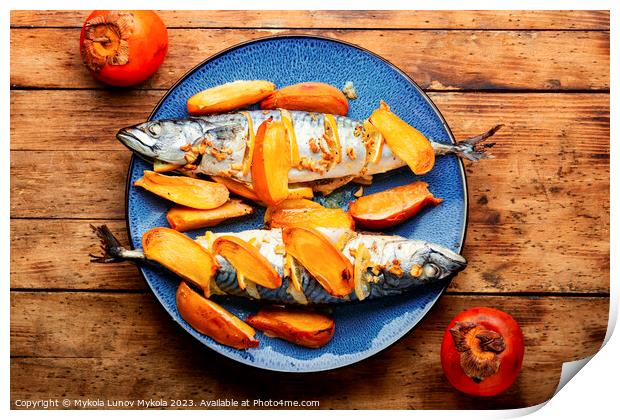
538, 222
126, 347
68, 184
552, 165
363, 19
436, 59
53, 254
88, 120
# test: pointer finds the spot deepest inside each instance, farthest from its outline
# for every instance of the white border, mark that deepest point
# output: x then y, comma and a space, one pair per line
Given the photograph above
592, 395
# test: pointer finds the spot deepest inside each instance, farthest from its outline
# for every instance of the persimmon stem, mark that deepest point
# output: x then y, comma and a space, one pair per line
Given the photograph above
479, 349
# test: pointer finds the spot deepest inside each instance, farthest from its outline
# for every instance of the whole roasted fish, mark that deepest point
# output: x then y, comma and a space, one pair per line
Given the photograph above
396, 265
323, 146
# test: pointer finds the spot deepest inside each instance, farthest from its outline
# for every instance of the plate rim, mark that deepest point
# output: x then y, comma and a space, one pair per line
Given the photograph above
426, 98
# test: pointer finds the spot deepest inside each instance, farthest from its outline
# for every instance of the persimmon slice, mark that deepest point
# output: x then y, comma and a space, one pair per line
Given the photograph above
321, 258
290, 132
229, 96
160, 166
302, 327
300, 192
308, 96
332, 137
190, 192
311, 217
393, 206
297, 203
181, 255
237, 187
183, 218
271, 162
210, 319
248, 261
249, 149
405, 141
373, 141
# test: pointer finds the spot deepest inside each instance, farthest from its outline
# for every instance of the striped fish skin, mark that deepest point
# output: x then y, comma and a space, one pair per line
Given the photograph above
433, 262
163, 140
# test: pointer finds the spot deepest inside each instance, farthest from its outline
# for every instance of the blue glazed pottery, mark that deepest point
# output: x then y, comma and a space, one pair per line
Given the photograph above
362, 329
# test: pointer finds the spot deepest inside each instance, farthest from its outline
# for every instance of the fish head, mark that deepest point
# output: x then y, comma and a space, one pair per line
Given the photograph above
163, 139
437, 262
421, 263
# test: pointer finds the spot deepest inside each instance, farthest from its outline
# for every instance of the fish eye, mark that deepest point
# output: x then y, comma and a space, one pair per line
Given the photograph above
431, 270
155, 129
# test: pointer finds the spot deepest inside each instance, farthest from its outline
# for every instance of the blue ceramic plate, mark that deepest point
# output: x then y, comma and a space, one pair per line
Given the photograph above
362, 329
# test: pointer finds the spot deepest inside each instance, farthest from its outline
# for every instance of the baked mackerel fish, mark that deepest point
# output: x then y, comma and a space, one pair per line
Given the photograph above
395, 265
323, 146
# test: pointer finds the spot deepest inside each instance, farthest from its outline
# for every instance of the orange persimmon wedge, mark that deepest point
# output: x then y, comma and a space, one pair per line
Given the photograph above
210, 319
271, 162
290, 203
237, 187
308, 96
190, 192
302, 327
229, 96
181, 255
183, 218
321, 258
393, 206
248, 261
311, 217
287, 120
246, 191
301, 212
299, 192
405, 141
160, 166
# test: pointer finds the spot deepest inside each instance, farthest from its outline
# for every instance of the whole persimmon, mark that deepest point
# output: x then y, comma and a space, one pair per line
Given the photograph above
482, 351
123, 47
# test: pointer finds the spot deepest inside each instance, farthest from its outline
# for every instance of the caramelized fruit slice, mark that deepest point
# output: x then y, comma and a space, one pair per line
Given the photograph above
181, 255
290, 203
405, 141
237, 187
229, 96
190, 192
183, 218
393, 206
271, 162
332, 270
248, 261
301, 327
312, 217
160, 166
210, 319
287, 120
308, 96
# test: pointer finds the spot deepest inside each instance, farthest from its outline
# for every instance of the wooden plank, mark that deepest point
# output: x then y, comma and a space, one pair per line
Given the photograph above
550, 175
367, 19
69, 184
440, 60
53, 254
89, 120
127, 347
543, 203
76, 120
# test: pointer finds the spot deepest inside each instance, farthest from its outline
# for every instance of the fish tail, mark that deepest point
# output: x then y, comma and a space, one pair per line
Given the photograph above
112, 249
471, 149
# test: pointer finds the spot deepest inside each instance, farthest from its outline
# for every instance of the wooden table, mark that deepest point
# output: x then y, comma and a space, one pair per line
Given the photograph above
537, 241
